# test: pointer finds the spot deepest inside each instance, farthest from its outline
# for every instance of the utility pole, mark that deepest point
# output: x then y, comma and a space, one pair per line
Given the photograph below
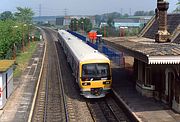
23, 41
121, 11
130, 12
104, 31
40, 10
65, 12
23, 37
82, 27
65, 17
77, 25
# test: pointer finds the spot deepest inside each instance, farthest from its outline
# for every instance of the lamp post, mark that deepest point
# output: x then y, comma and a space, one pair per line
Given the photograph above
82, 27
104, 31
72, 25
14, 45
23, 37
29, 29
77, 25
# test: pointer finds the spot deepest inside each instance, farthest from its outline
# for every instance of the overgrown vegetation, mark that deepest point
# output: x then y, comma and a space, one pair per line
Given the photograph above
144, 13
83, 24
177, 10
23, 58
14, 31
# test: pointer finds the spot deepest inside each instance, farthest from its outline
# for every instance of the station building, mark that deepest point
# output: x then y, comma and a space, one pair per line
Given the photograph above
156, 56
6, 80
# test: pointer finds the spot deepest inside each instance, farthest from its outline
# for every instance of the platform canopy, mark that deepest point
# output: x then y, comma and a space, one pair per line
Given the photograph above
5, 65
164, 60
147, 50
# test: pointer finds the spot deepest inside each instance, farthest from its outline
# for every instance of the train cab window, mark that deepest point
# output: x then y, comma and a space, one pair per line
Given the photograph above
89, 70
95, 71
102, 70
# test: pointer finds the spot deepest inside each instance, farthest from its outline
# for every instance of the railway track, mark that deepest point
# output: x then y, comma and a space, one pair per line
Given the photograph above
77, 109
50, 102
107, 110
59, 98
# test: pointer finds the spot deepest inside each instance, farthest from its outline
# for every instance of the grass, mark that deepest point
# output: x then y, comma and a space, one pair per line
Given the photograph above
23, 58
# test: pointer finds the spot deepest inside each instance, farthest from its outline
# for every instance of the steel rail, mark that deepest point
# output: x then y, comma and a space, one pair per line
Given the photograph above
38, 83
46, 96
62, 87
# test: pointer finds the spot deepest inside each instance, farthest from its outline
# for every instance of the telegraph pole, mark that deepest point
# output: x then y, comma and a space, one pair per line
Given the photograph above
121, 11
40, 10
130, 11
65, 17
65, 12
104, 31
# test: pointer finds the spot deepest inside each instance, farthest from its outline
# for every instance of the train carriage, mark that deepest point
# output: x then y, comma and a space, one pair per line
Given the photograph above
91, 69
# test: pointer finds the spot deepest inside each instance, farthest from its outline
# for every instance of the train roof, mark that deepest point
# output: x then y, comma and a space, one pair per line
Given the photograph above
81, 50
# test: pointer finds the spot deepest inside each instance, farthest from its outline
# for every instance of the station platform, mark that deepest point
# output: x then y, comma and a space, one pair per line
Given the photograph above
17, 107
143, 108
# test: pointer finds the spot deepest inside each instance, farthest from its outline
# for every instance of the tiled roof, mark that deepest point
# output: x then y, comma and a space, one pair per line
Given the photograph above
5, 64
177, 39
172, 23
143, 48
147, 46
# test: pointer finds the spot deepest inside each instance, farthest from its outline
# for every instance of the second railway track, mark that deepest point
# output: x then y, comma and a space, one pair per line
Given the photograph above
50, 102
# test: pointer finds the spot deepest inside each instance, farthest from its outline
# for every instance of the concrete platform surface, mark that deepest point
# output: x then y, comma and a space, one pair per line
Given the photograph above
145, 109
17, 107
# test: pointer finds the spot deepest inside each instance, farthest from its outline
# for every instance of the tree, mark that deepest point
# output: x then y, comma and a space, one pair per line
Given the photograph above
178, 7
14, 33
151, 13
9, 35
6, 15
126, 15
87, 25
139, 13
73, 24
110, 22
178, 3
24, 15
83, 23
98, 19
144, 13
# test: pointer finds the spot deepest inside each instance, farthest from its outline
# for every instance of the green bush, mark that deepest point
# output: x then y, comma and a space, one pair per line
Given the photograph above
11, 35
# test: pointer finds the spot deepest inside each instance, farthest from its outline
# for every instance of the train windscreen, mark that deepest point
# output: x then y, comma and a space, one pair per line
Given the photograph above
95, 71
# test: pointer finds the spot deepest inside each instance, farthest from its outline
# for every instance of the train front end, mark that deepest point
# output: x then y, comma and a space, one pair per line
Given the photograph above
95, 79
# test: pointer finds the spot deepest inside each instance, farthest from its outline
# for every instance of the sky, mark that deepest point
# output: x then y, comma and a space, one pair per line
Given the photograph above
82, 7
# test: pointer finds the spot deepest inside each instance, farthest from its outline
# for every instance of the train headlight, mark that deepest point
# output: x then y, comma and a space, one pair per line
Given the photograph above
106, 82
86, 84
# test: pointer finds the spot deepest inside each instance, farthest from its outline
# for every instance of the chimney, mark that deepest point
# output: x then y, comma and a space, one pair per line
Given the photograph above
161, 14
